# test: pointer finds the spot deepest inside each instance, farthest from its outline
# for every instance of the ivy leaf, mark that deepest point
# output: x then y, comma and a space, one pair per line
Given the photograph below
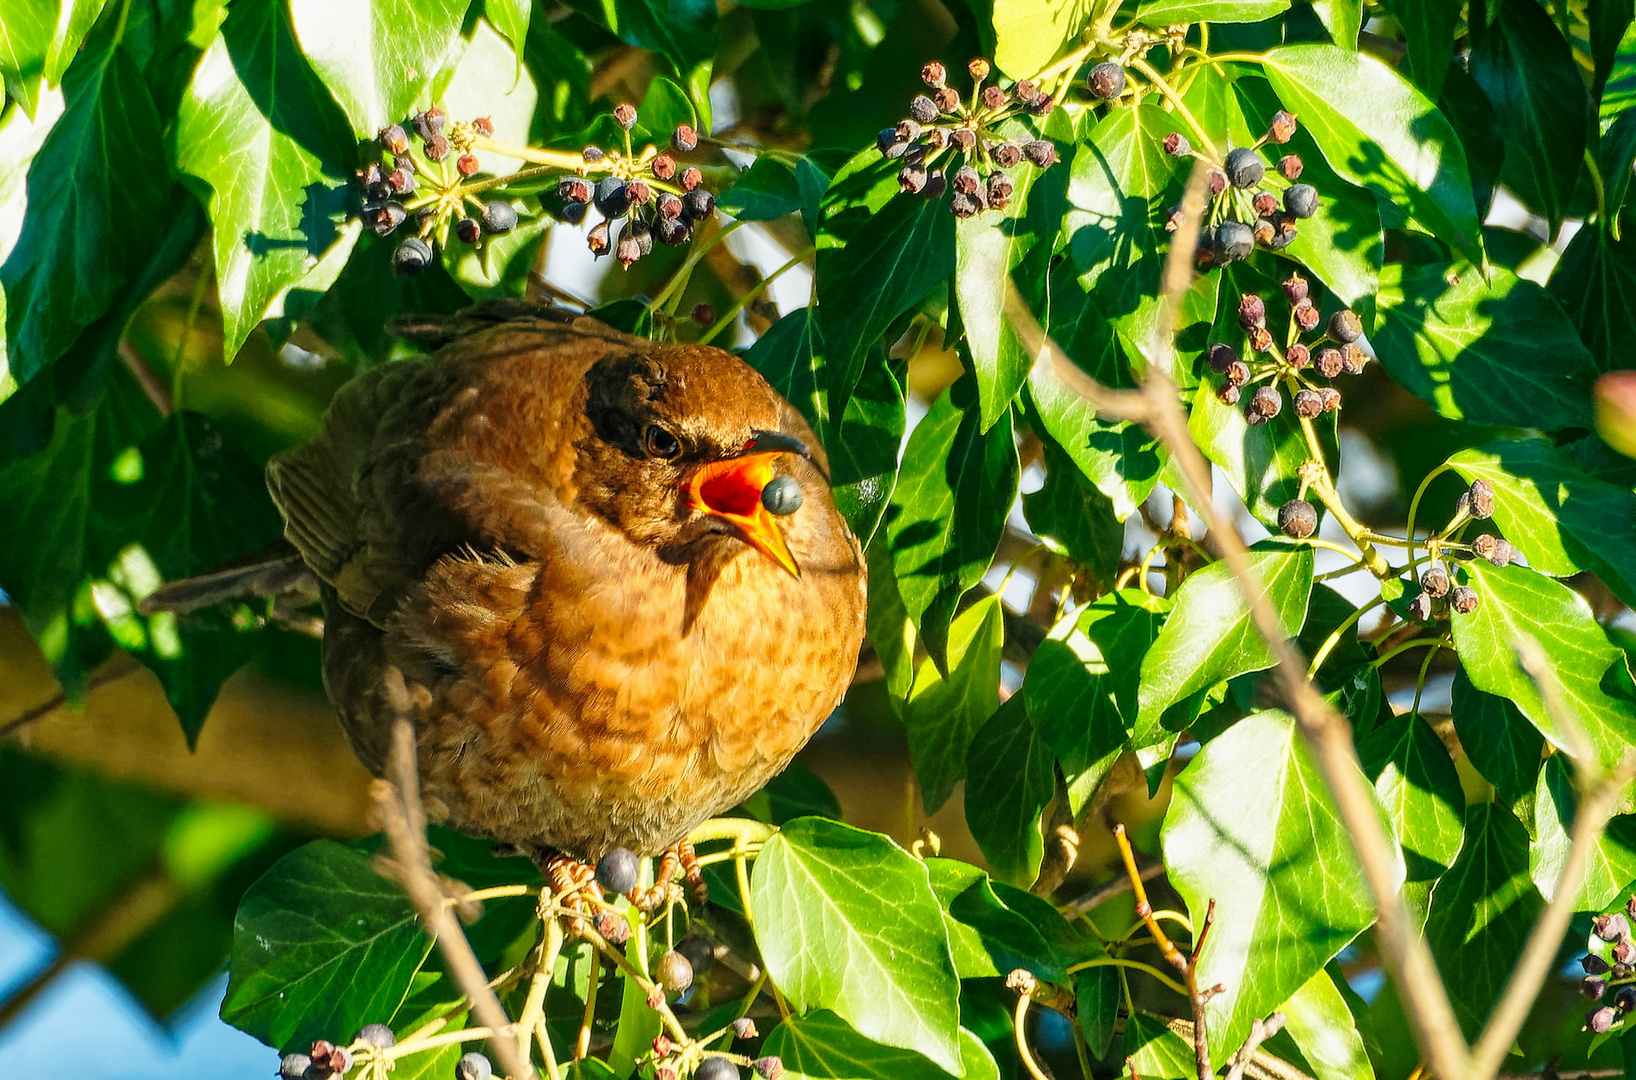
1430, 27
1155, 1052
944, 713
1561, 518
1516, 601
1074, 518
1210, 636
99, 196
1276, 860
1342, 18
38, 40
1319, 1022
1029, 34
822, 1046
1378, 131
1595, 282
259, 133
1495, 352
895, 258
995, 928
1009, 780
683, 31
890, 629
1500, 743
765, 191
847, 921
1611, 861
1418, 786
1528, 72
377, 57
1260, 462
948, 512
1481, 913
322, 944
987, 248
1081, 685
1161, 13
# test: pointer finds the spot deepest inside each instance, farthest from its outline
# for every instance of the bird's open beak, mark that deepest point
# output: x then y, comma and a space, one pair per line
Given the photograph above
731, 490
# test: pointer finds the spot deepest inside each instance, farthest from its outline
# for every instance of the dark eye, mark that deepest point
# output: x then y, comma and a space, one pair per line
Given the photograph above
661, 443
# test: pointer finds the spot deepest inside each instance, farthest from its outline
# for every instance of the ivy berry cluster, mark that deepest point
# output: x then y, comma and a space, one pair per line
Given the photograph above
1438, 594
1611, 940
422, 182
325, 1059
1297, 365
1238, 220
948, 143
672, 1061
648, 194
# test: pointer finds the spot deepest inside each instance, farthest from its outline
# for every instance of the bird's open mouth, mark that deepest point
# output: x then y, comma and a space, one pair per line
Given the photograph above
731, 490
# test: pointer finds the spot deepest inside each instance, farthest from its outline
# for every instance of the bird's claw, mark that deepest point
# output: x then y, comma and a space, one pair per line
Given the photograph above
678, 858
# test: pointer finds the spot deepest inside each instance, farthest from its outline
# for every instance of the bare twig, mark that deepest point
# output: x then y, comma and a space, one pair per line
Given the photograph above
146, 378
112, 671
1157, 406
1118, 886
405, 823
1262, 1065
1260, 1032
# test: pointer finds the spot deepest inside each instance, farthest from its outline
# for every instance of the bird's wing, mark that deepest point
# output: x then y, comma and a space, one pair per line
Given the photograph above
354, 500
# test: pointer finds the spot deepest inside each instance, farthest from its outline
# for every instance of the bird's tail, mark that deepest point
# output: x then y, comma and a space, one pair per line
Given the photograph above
275, 570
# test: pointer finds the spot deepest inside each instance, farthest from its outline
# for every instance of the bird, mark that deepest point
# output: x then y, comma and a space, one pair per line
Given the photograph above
564, 539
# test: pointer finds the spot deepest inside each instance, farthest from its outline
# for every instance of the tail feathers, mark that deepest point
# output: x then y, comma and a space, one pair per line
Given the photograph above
272, 571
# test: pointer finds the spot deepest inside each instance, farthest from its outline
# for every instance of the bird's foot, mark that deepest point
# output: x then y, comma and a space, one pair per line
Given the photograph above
680, 859
572, 886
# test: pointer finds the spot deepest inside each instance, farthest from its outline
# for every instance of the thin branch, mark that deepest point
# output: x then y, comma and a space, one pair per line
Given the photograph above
405, 822
113, 671
1117, 887
1260, 1032
146, 378
1157, 406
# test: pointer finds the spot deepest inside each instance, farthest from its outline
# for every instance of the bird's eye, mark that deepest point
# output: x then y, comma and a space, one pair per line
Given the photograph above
661, 443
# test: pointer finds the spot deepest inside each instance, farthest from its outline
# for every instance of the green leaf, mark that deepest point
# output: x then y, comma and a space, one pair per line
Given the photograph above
1261, 462
895, 258
995, 928
1500, 743
322, 945
1515, 602
258, 131
948, 511
847, 921
1528, 72
1009, 781
1561, 518
863, 457
1074, 518
763, 192
38, 40
891, 631
822, 1046
1082, 683
795, 792
1418, 786
1342, 18
1276, 860
1378, 131
1494, 352
1430, 27
1155, 1052
1595, 282
683, 31
944, 714
378, 57
1210, 636
1161, 13
1611, 860
99, 199
1320, 1023
987, 248
1481, 913
1029, 34
489, 80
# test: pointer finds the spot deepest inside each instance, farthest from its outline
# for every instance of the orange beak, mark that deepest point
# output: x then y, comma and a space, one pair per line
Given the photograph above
731, 490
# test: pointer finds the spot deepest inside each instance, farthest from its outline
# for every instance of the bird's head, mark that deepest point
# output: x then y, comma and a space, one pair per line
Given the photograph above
691, 447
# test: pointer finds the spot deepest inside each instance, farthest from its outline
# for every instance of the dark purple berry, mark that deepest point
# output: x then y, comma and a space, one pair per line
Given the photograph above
1221, 354
625, 114
684, 140
936, 184
1252, 311
947, 99
574, 189
473, 1066
934, 75
1353, 358
499, 217
617, 870
1328, 362
1244, 167
673, 231
294, 1067
674, 972
698, 204
1297, 518
1290, 167
430, 122
394, 140
1298, 356
1420, 608
1007, 155
716, 1068
994, 97
468, 230
1497, 551
907, 131
592, 154
999, 189
1234, 240
1625, 999
1600, 1020
1295, 288
782, 496
383, 219
1614, 927
611, 197
1041, 153
1463, 599
1308, 404
574, 213
1435, 581
1282, 127
1345, 326
912, 179
1481, 495
1026, 92
437, 148
965, 181
1238, 373
378, 1035
1301, 200
412, 257
768, 1068
965, 206
1176, 145
744, 1028
923, 109
1305, 315
1266, 402
1106, 80
963, 139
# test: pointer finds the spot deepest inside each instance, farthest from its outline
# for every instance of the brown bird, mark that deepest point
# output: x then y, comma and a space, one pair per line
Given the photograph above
558, 534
